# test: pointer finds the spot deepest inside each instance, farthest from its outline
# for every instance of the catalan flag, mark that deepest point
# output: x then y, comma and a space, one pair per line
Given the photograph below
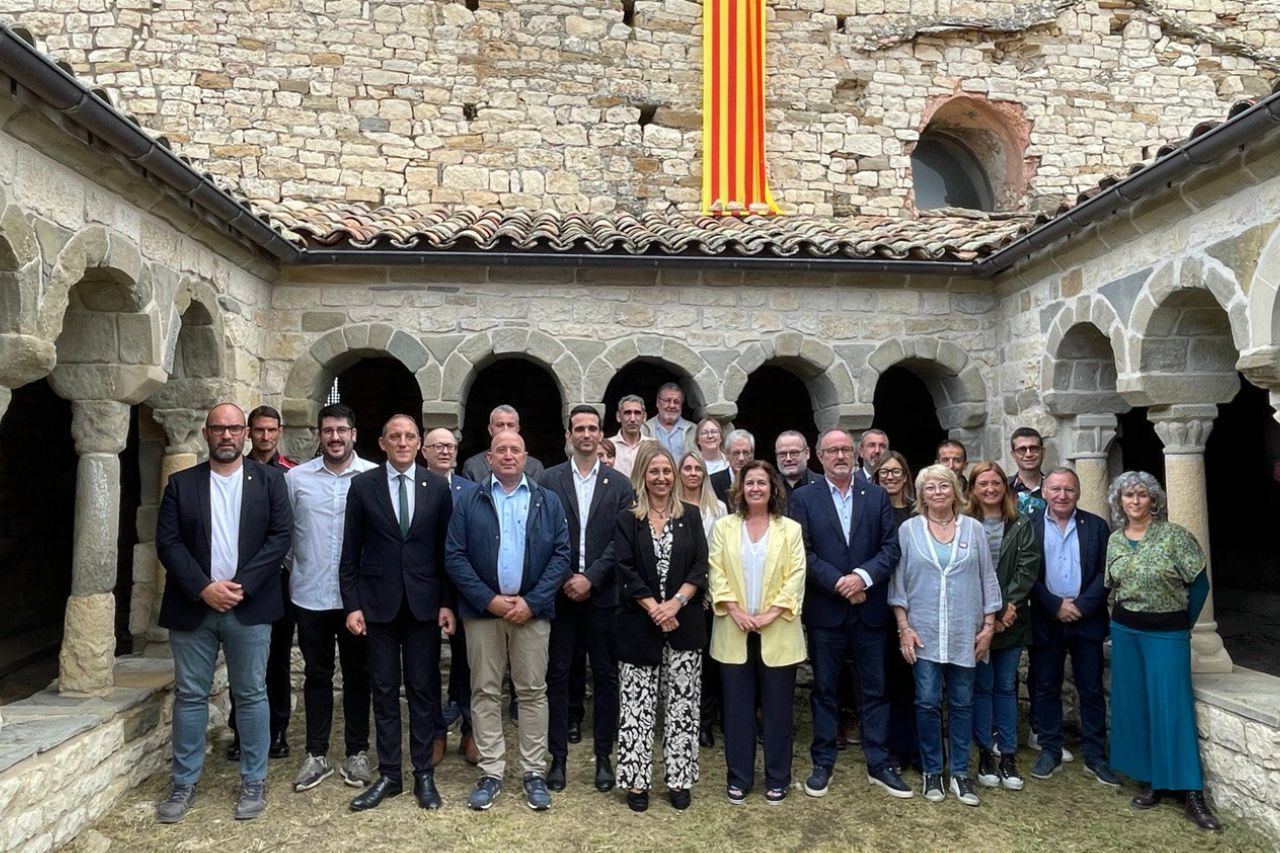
734, 178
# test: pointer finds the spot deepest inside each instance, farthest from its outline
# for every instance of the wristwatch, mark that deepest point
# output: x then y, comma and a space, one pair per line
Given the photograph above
682, 598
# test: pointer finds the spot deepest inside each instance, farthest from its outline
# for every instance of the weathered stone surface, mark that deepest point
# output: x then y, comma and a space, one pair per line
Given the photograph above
99, 426
88, 645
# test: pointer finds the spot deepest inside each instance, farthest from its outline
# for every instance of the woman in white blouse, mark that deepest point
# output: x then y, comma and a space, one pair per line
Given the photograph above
709, 441
945, 596
756, 576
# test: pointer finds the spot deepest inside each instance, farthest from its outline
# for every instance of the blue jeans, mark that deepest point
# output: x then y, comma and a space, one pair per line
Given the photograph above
995, 695
195, 654
930, 678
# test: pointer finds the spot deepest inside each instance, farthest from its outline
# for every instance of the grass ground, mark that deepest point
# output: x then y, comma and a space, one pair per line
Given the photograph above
1070, 812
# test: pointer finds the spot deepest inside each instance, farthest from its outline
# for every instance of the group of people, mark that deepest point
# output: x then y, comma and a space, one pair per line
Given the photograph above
694, 578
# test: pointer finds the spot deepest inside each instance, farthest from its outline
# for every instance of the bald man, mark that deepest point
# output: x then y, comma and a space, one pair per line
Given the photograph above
221, 534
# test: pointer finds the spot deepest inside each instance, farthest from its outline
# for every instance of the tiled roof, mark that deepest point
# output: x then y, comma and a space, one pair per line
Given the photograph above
931, 237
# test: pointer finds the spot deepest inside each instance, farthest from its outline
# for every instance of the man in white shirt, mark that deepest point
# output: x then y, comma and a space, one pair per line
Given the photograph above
668, 426
318, 496
626, 443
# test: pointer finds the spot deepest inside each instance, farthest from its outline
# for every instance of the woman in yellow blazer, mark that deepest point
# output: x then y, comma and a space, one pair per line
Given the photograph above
756, 574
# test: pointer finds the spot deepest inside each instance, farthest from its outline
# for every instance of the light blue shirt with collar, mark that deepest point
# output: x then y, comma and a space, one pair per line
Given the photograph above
673, 439
513, 516
844, 509
1061, 557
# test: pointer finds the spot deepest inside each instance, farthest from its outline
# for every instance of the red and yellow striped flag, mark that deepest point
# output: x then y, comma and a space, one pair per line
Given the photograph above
734, 180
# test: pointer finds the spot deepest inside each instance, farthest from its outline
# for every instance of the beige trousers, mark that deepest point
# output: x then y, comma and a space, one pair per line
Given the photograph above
491, 645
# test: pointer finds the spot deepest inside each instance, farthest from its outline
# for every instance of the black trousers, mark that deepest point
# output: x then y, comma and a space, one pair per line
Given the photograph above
279, 661
711, 692
578, 683
771, 688
900, 690
402, 652
459, 689
318, 632
594, 627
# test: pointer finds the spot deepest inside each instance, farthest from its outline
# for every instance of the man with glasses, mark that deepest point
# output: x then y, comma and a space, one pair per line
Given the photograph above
264, 439
318, 496
851, 545
740, 447
221, 533
626, 444
440, 452
668, 426
1027, 447
792, 454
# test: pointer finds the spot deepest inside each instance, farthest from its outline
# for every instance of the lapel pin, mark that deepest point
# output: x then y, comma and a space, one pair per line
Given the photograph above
248, 477
606, 480
424, 482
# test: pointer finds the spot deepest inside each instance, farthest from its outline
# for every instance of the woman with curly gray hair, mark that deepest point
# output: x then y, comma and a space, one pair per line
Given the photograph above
1156, 574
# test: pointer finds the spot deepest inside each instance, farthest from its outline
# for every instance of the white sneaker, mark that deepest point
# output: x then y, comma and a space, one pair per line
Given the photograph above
1033, 742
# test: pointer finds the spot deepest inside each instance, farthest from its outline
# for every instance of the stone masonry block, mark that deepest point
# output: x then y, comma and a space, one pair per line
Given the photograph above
752, 359
88, 645
787, 345
139, 338
817, 354
457, 371
409, 350
330, 347
429, 381
650, 345
886, 356
951, 356
569, 374
304, 377
476, 348
379, 336
622, 353
357, 337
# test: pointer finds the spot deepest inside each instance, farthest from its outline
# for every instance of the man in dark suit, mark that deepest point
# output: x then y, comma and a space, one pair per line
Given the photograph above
1069, 604
221, 534
873, 444
396, 592
502, 419
508, 555
851, 546
791, 450
592, 495
740, 447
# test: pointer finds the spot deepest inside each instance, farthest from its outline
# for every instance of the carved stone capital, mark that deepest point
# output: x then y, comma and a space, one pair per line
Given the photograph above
181, 428
99, 426
1183, 428
1090, 436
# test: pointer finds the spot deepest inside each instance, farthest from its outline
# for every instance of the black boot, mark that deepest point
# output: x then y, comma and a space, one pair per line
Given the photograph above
1148, 798
279, 747
1198, 812
556, 775
605, 780
424, 788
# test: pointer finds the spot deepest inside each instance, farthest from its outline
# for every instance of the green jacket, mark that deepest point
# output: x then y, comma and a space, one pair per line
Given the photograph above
1016, 571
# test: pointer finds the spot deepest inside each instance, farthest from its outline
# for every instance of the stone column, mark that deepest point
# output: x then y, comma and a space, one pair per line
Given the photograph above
99, 429
5, 396
1184, 429
181, 451
1088, 441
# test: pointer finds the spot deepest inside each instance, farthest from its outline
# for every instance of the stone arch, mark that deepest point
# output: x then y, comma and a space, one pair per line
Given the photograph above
702, 386
24, 357
955, 383
478, 351
994, 135
93, 248
1186, 331
1081, 362
1262, 358
826, 377
199, 364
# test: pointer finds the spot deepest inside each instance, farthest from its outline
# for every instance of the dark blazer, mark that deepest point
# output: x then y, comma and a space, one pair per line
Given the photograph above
1092, 533
612, 496
721, 482
477, 470
639, 640
471, 552
873, 547
380, 569
807, 478
184, 529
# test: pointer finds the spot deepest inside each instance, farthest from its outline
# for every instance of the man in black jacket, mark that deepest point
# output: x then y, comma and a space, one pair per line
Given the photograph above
221, 534
592, 495
395, 591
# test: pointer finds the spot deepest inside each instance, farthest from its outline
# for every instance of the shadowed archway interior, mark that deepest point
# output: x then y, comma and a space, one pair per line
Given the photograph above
643, 378
533, 392
906, 412
774, 400
377, 388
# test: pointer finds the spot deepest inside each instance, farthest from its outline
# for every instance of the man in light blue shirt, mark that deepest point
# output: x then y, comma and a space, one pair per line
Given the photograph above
512, 508
668, 426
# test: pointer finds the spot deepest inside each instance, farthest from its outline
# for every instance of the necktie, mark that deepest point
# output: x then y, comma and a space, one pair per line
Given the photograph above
404, 506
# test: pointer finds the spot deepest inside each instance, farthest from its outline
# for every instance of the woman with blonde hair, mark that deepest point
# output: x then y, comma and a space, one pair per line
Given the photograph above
708, 439
661, 630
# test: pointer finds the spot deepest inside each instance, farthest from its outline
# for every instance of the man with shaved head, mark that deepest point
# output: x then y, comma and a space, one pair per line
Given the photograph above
221, 534
508, 555
503, 418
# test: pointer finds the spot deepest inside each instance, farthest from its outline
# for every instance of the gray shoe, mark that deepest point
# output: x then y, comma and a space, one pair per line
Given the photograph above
355, 770
253, 800
175, 806
315, 769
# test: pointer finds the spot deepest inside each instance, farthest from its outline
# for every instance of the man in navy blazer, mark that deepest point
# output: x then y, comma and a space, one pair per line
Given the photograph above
396, 591
1069, 616
851, 545
592, 494
508, 555
222, 533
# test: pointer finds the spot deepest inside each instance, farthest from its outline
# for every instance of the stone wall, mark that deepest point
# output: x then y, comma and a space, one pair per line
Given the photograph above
1239, 724
584, 106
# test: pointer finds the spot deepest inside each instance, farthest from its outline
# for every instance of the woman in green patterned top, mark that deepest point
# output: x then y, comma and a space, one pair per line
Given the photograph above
1156, 574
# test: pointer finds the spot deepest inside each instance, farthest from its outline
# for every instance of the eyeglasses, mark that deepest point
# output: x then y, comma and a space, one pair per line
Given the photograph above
330, 432
225, 429
442, 447
708, 433
837, 451
890, 474
1027, 451
788, 454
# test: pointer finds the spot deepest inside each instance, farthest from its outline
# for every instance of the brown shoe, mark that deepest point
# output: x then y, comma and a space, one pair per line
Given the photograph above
468, 750
437, 751
1198, 812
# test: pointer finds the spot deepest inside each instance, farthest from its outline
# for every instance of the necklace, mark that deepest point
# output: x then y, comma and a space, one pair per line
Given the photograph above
946, 523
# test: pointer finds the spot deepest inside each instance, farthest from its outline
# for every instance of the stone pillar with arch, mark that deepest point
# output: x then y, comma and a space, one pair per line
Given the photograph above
1184, 429
1088, 443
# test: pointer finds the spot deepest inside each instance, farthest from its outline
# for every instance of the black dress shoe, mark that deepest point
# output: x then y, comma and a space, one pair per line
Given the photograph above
1148, 798
605, 780
575, 731
424, 788
372, 797
279, 747
706, 737
233, 750
1198, 812
638, 801
555, 776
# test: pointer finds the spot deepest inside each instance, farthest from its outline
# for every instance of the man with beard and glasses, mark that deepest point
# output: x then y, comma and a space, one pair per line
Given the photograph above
221, 534
318, 497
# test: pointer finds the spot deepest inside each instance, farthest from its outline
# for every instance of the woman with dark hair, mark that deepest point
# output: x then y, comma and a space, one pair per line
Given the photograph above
607, 452
893, 474
1016, 556
662, 570
756, 582
1156, 574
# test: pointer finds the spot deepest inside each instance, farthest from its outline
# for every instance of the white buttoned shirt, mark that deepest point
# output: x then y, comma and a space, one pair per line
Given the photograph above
318, 497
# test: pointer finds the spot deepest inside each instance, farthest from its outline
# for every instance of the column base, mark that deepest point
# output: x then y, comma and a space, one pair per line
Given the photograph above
1208, 655
88, 653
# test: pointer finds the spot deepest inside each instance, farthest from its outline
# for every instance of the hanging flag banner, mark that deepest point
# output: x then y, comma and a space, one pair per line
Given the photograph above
734, 177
